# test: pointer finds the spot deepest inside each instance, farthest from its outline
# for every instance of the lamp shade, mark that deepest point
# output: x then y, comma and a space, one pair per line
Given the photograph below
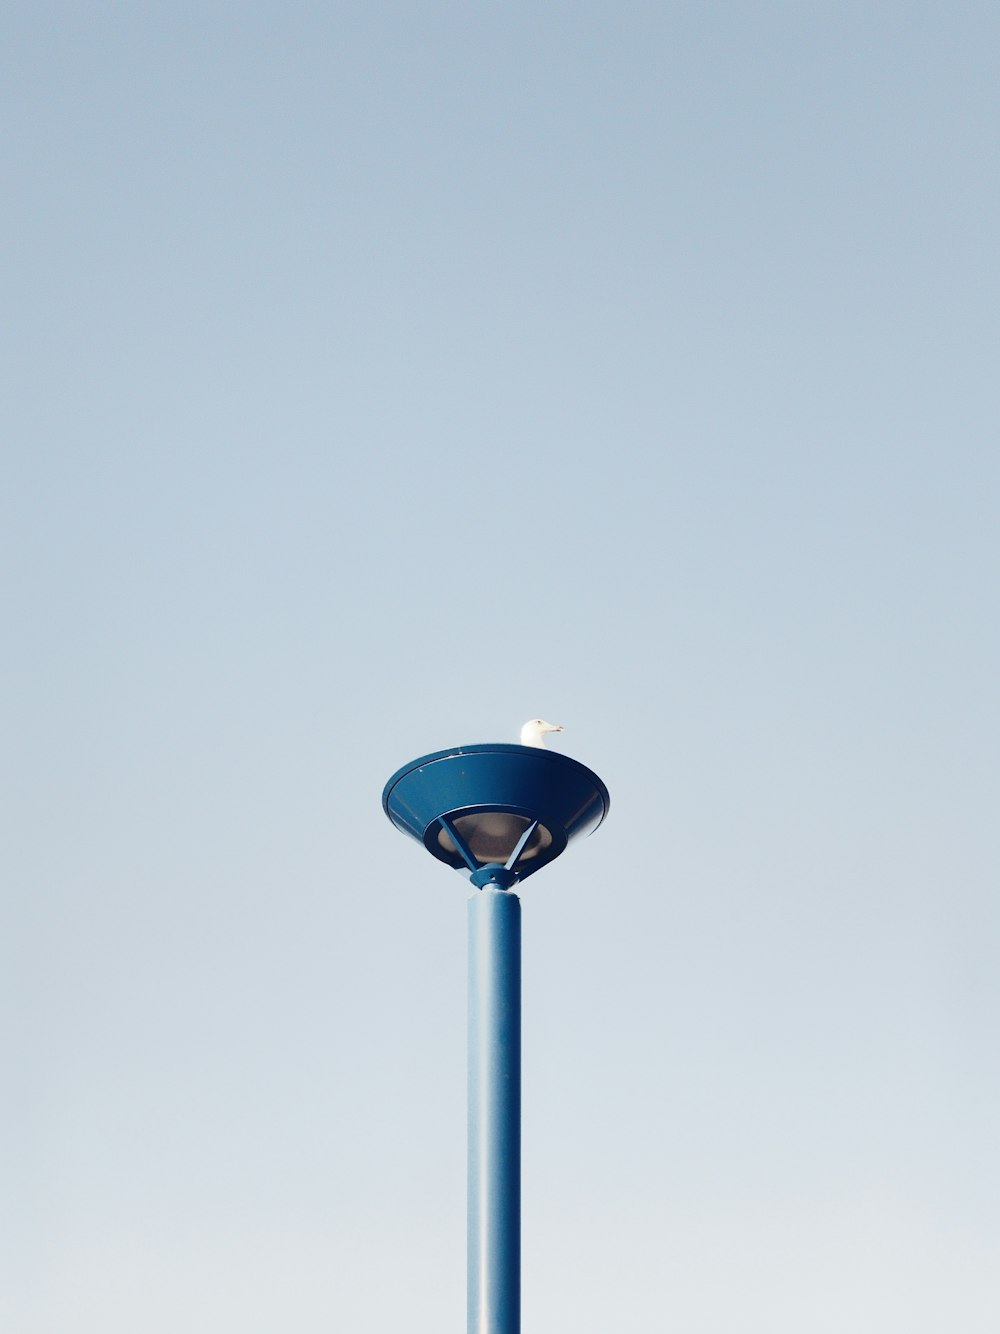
495, 806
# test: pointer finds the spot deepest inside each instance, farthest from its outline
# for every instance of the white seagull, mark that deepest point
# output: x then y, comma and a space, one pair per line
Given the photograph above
533, 732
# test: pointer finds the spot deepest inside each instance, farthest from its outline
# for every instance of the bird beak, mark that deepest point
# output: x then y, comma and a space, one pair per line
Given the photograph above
555, 727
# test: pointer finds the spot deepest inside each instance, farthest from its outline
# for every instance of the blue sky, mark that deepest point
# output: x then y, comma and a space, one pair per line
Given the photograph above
377, 377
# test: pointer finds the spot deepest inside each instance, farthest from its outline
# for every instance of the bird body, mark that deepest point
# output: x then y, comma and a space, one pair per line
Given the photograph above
534, 731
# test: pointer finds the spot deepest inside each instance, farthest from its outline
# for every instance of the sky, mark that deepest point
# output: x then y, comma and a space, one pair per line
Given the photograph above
376, 377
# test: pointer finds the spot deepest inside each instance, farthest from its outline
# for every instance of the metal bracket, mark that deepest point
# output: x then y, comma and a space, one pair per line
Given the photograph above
465, 852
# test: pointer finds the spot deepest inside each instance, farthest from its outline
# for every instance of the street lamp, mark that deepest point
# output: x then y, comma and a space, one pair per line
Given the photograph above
497, 813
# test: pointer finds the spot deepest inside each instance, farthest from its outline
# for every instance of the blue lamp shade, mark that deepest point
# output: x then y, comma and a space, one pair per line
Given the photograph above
495, 812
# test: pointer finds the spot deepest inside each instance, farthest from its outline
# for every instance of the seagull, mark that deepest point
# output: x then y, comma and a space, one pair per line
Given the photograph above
533, 732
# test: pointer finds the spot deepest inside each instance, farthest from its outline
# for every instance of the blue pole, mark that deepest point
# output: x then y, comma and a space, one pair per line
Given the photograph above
494, 1258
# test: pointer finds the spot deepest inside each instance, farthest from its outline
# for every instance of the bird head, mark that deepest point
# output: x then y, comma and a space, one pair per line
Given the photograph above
533, 732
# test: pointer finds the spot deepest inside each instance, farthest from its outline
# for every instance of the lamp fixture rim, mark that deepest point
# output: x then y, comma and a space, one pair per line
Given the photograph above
545, 756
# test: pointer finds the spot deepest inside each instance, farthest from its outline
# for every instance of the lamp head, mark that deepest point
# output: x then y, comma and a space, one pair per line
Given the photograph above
497, 813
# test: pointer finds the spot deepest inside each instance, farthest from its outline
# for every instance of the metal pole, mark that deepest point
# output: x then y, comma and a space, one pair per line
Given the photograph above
494, 1258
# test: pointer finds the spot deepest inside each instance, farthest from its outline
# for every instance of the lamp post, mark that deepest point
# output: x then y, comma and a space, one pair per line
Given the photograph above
496, 813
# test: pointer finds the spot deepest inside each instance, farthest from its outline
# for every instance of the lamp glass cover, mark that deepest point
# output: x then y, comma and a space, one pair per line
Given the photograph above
492, 836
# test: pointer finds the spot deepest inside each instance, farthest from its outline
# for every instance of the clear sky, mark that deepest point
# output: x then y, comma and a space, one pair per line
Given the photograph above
378, 376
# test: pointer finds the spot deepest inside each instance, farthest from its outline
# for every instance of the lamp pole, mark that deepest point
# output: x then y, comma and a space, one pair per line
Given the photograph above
494, 1180
498, 813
